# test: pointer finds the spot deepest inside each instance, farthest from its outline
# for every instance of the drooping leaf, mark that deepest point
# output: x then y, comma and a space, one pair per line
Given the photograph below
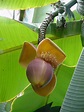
12, 76
29, 102
74, 99
24, 4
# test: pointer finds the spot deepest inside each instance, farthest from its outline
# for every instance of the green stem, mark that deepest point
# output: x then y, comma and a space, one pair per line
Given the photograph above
71, 3
47, 99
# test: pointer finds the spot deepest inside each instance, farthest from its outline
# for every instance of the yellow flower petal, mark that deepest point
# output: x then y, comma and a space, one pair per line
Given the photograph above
28, 54
50, 52
46, 90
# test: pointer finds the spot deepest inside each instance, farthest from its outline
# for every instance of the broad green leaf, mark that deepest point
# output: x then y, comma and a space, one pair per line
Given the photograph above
74, 98
64, 75
29, 102
12, 76
72, 47
13, 34
24, 4
71, 29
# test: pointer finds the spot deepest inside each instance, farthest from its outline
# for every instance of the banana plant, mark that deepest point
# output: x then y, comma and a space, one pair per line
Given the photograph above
41, 68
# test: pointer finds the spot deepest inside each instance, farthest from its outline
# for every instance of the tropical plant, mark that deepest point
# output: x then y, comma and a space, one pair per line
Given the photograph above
60, 35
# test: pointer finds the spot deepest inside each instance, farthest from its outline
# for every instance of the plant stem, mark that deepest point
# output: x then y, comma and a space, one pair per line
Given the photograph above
71, 3
47, 99
46, 22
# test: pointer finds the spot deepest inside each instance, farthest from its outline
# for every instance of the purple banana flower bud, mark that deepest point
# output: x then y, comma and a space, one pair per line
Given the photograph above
39, 72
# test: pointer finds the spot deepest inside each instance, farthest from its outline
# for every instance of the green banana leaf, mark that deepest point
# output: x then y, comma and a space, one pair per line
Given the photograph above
72, 47
29, 102
13, 34
12, 76
24, 4
74, 99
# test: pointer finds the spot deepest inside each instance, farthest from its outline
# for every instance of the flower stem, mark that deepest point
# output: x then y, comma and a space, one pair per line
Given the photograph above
46, 22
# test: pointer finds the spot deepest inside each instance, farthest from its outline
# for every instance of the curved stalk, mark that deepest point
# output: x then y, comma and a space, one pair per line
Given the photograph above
46, 22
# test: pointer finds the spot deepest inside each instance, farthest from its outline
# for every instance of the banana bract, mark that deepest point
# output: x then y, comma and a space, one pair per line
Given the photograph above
40, 63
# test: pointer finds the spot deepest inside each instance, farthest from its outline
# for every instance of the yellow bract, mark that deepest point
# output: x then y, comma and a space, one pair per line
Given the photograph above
28, 54
50, 52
